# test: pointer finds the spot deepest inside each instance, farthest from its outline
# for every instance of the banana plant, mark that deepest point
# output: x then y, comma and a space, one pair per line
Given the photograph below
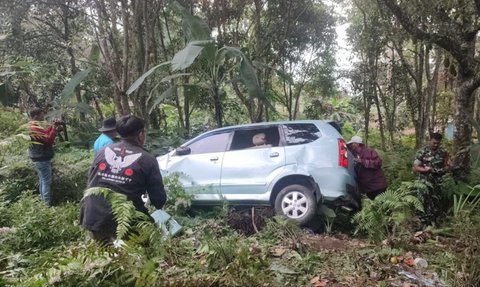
215, 66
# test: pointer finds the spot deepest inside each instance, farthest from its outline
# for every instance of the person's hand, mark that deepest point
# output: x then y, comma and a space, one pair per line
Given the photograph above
57, 122
427, 169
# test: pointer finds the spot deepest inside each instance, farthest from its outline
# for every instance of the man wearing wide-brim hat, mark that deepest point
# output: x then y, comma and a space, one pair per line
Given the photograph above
109, 132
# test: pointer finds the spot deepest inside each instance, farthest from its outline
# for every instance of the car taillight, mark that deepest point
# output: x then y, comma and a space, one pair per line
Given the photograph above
342, 153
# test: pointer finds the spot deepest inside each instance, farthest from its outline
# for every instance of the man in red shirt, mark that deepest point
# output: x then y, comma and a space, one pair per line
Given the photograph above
368, 166
41, 150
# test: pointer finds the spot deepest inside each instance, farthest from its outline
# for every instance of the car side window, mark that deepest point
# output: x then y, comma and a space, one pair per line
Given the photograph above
256, 137
296, 134
210, 143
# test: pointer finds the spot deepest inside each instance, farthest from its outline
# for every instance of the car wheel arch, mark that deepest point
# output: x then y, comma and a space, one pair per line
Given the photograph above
300, 179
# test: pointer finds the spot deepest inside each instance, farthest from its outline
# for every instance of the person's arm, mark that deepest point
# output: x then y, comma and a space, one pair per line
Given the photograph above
371, 159
418, 165
41, 135
155, 189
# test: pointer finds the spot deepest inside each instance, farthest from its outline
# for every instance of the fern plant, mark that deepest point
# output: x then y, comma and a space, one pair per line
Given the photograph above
122, 208
381, 217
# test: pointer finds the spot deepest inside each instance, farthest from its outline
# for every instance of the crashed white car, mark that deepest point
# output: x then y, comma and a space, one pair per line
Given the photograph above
294, 166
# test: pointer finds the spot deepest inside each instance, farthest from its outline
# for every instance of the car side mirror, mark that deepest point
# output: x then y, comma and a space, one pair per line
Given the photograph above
182, 150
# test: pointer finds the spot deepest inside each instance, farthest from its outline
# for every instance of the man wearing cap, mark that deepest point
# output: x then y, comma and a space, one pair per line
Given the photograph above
108, 131
368, 166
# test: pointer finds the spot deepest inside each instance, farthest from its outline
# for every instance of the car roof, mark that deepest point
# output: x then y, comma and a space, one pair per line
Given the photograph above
273, 123
246, 126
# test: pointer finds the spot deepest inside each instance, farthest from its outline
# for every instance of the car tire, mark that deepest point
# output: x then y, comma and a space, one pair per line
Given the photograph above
297, 203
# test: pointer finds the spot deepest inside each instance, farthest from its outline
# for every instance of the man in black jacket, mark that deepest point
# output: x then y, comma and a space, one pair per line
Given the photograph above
126, 168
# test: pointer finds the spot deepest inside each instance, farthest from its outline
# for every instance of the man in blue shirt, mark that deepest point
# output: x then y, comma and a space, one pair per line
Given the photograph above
109, 132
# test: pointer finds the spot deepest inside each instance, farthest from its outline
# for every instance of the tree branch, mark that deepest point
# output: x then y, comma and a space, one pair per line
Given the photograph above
448, 43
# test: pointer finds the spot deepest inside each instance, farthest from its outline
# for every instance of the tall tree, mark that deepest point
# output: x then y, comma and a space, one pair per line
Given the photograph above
453, 26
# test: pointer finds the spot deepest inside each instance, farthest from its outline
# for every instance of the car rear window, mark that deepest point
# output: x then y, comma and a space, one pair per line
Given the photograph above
296, 134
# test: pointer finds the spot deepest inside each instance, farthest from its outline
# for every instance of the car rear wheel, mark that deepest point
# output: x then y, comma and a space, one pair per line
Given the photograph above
296, 202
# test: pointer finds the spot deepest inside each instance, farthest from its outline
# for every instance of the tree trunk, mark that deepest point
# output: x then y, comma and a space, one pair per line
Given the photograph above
97, 107
366, 106
73, 66
462, 137
374, 71
217, 103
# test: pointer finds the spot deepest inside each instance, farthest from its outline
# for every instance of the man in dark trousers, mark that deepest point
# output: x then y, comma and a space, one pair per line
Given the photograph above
431, 164
40, 150
368, 166
126, 168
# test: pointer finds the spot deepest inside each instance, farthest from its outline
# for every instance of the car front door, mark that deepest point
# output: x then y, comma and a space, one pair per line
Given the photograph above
200, 169
248, 170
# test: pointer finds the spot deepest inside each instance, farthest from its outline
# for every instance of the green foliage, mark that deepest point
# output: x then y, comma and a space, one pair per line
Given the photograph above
381, 217
39, 227
70, 167
10, 122
466, 203
16, 179
122, 208
244, 259
408, 142
279, 229
397, 166
70, 173
178, 200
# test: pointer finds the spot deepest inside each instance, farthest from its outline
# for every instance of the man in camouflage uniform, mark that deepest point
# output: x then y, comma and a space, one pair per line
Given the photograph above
431, 163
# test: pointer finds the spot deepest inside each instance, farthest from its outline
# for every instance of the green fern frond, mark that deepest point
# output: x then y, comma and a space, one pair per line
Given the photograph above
389, 209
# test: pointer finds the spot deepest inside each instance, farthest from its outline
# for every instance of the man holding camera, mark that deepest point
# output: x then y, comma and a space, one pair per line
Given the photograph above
41, 149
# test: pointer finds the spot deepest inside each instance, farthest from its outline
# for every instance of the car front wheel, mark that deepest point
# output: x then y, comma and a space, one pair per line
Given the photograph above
296, 202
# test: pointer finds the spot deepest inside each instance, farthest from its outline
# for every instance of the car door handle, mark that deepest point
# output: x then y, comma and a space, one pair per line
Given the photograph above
215, 158
274, 154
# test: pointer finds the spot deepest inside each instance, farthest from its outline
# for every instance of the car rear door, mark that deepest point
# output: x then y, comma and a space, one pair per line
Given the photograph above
247, 170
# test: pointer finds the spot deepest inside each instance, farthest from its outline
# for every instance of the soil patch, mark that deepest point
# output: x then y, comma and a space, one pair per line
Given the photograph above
322, 242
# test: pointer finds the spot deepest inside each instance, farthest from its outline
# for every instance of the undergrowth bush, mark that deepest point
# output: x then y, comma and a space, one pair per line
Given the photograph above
10, 121
383, 216
40, 227
397, 166
70, 171
178, 200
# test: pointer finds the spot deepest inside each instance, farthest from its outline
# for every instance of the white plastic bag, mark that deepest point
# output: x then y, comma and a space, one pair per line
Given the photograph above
166, 223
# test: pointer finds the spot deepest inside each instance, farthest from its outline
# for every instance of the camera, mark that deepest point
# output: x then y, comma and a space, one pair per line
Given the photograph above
57, 121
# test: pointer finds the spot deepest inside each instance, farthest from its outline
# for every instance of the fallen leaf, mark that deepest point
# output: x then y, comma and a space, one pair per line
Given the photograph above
278, 252
315, 279
350, 279
409, 261
321, 283
317, 282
